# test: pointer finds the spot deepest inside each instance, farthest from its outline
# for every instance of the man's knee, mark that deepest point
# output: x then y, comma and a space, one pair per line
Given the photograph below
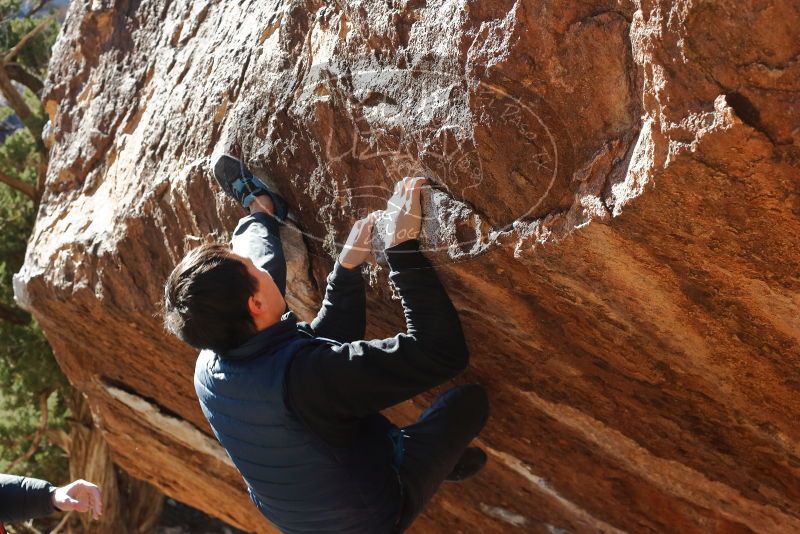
480, 398
474, 403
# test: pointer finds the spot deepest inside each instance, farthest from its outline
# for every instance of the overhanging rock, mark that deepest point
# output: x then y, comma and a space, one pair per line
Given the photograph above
615, 215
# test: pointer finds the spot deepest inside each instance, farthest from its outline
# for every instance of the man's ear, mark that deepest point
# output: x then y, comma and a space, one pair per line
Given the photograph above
255, 306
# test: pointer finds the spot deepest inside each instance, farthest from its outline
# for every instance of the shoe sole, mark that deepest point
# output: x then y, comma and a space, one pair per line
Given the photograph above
228, 169
482, 458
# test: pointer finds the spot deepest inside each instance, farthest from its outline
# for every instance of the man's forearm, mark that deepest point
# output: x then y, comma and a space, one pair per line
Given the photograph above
356, 379
342, 315
23, 498
430, 316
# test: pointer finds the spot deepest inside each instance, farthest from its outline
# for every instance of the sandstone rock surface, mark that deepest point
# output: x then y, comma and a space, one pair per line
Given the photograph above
616, 217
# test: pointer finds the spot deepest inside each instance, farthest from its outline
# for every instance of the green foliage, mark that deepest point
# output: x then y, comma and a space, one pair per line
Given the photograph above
27, 366
37, 111
36, 53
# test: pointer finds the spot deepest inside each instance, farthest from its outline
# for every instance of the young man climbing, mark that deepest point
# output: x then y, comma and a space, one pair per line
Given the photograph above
297, 406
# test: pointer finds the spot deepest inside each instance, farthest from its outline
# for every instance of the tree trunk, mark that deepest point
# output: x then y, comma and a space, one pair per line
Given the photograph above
129, 505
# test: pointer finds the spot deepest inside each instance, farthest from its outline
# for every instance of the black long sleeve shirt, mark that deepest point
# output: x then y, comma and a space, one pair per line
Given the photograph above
23, 498
332, 387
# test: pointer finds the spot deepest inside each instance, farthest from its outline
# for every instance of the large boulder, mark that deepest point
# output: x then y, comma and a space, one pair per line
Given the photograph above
616, 217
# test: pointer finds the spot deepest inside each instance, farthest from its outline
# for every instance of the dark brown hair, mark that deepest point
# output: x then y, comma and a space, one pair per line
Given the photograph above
205, 299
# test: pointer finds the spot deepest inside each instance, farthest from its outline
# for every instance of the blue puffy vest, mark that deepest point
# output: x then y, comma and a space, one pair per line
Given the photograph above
299, 483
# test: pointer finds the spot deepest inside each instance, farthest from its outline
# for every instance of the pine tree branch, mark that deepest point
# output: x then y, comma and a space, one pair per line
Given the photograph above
16, 441
32, 11
14, 315
24, 528
11, 54
14, 98
24, 188
37, 438
62, 523
59, 438
18, 105
19, 74
36, 8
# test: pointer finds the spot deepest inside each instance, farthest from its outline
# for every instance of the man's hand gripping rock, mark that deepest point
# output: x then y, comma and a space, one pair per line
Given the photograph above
402, 218
403, 214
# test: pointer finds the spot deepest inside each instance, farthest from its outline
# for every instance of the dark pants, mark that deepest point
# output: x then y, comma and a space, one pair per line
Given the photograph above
433, 445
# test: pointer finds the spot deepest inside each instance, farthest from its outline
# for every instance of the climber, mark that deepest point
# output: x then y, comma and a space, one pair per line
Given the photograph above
23, 498
297, 405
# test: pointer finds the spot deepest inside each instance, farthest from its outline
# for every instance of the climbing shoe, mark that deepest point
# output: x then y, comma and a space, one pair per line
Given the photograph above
472, 460
239, 183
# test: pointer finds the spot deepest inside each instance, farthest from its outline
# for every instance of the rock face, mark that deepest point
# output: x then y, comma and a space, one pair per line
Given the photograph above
616, 217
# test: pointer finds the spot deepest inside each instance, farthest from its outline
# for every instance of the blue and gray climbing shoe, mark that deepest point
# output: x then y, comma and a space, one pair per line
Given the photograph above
239, 183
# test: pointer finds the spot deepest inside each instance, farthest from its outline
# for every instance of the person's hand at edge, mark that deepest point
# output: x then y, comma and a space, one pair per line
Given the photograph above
359, 243
404, 211
79, 496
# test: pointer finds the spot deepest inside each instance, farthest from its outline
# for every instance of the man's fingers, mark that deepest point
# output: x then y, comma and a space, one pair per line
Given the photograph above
372, 217
405, 192
418, 181
416, 184
363, 227
395, 202
410, 183
96, 500
402, 185
68, 503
